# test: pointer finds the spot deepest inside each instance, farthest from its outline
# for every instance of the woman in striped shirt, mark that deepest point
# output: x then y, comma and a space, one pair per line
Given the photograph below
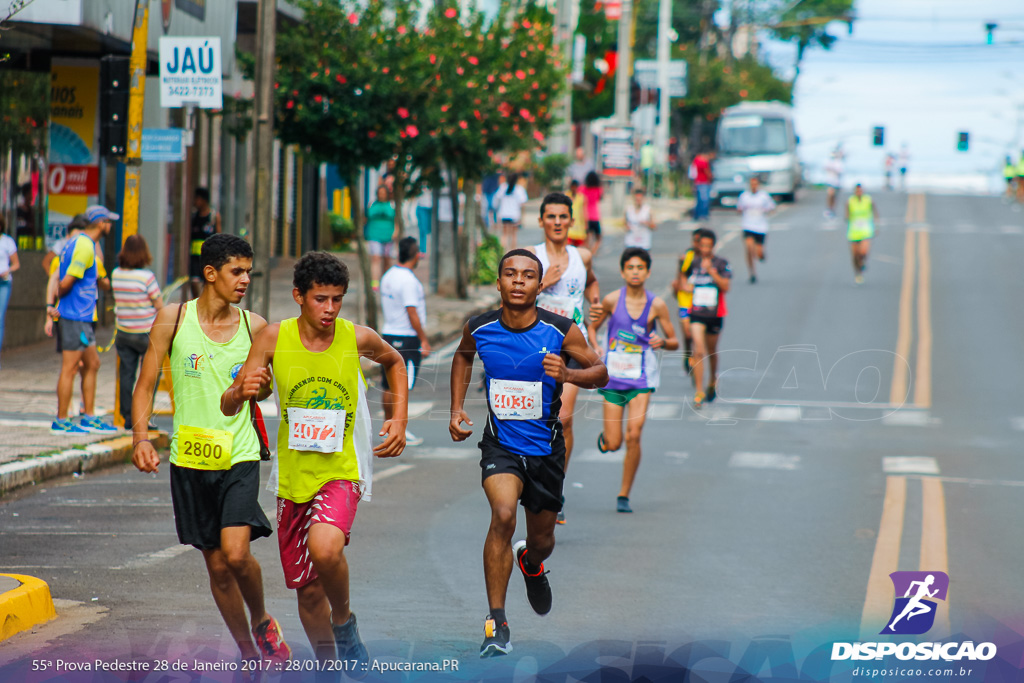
136, 301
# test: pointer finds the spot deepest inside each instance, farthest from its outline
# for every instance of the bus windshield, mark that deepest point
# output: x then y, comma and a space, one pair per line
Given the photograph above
750, 135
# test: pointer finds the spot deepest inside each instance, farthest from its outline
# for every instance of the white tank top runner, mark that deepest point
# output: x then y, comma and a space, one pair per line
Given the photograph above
565, 297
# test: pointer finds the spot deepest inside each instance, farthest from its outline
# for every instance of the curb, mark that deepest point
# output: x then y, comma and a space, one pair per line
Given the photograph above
25, 606
20, 473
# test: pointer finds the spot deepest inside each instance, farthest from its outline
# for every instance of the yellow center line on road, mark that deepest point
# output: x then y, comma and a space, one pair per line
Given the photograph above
923, 376
878, 602
901, 363
934, 549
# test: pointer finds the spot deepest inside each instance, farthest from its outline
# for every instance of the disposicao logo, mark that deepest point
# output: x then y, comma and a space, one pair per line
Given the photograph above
917, 596
914, 612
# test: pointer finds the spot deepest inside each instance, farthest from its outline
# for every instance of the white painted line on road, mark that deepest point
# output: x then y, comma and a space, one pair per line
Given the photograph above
777, 413
151, 559
764, 461
664, 411
71, 532
442, 354
1011, 230
392, 471
594, 455
452, 453
1017, 423
677, 457
910, 464
910, 418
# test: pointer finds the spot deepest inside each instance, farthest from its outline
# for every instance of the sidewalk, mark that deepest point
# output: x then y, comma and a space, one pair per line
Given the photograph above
28, 381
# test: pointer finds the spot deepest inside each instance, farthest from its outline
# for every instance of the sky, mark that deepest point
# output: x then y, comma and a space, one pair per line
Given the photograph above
921, 69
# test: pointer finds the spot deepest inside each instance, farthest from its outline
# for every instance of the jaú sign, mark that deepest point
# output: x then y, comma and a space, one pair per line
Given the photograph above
73, 179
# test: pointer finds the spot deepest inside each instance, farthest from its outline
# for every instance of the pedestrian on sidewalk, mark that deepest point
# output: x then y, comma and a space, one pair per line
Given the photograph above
137, 300
578, 229
489, 189
593, 193
324, 451
405, 320
78, 280
754, 205
215, 460
205, 222
639, 221
580, 167
425, 217
511, 197
8, 264
524, 350
380, 235
701, 176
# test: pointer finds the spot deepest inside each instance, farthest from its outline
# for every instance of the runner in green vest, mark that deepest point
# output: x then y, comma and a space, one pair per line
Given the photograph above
861, 215
1009, 175
1020, 178
215, 461
324, 452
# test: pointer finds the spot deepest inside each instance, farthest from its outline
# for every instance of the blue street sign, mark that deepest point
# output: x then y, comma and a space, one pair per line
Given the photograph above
163, 144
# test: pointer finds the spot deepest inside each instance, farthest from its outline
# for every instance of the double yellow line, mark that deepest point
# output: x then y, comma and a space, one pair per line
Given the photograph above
916, 257
934, 550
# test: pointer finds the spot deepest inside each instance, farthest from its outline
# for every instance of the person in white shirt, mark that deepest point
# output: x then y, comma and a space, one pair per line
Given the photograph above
510, 198
755, 205
405, 319
8, 264
833, 179
639, 222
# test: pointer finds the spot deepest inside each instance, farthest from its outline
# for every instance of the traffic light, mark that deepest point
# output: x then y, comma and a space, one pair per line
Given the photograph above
115, 86
963, 141
879, 136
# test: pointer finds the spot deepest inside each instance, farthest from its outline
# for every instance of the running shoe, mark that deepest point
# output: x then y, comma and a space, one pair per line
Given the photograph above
753, 279
686, 363
66, 426
350, 646
601, 445
270, 641
538, 591
712, 393
622, 504
560, 517
497, 639
94, 425
411, 439
698, 400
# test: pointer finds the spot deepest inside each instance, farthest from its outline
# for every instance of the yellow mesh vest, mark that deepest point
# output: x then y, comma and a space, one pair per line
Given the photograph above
329, 380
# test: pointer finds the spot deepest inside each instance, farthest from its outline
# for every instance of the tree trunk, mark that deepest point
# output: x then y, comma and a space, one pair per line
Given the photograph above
399, 198
458, 238
369, 296
469, 236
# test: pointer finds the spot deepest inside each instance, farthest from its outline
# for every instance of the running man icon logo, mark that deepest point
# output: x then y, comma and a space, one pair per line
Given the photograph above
917, 595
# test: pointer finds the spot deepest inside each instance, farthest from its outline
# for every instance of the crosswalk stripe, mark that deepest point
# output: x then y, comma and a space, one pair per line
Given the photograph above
764, 461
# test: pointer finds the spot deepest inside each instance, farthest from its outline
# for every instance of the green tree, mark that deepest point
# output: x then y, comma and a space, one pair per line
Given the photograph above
806, 24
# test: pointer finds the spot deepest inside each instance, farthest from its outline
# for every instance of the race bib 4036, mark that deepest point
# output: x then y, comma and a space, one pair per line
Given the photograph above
516, 400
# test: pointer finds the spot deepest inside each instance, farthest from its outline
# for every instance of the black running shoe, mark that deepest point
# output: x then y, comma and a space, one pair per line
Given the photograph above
622, 504
712, 393
497, 639
538, 591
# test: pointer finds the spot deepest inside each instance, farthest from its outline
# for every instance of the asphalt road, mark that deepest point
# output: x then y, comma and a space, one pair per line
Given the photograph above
859, 430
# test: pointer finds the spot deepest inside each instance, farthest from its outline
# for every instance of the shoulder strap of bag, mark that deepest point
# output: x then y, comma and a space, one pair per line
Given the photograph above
177, 320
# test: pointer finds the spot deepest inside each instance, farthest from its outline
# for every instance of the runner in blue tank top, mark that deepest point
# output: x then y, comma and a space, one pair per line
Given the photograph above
524, 351
632, 313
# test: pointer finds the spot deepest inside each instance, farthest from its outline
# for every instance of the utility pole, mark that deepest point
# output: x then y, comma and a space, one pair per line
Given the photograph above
136, 100
263, 129
664, 28
562, 142
623, 73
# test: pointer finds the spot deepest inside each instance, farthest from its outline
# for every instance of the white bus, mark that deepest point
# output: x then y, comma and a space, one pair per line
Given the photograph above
756, 138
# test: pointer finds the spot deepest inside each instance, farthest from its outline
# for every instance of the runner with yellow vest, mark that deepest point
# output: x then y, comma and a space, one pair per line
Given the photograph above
215, 460
1020, 178
324, 453
861, 215
1009, 175
685, 298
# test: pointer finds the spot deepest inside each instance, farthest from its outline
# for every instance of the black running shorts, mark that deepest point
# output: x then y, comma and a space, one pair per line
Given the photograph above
542, 475
410, 351
206, 501
711, 325
757, 236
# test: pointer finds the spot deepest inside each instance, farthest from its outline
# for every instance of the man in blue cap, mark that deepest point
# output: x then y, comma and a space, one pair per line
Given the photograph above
77, 291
